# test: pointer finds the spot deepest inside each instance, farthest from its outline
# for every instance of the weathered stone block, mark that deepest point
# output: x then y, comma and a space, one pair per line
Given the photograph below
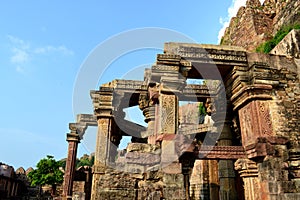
173, 180
142, 158
172, 168
173, 193
168, 154
134, 168
116, 194
143, 148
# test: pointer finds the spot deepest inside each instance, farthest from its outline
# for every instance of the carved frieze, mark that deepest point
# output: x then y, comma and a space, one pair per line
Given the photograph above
208, 53
221, 152
165, 68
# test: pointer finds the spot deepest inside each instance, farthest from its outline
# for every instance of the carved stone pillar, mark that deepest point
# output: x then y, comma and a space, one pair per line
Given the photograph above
199, 181
73, 140
103, 108
103, 141
249, 173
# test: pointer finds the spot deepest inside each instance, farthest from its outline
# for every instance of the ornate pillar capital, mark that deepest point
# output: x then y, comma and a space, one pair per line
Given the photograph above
102, 101
246, 167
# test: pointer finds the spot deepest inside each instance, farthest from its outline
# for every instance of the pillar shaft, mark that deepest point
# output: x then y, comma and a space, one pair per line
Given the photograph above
73, 140
103, 143
249, 172
226, 171
213, 179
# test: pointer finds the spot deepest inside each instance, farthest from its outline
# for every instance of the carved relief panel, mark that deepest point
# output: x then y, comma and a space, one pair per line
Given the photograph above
255, 121
168, 114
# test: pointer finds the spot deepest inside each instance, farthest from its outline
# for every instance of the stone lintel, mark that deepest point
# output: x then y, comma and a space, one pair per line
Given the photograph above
88, 119
195, 128
171, 85
208, 54
221, 152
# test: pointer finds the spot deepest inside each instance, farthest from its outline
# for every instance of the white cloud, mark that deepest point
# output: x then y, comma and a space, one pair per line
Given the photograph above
49, 49
20, 69
18, 42
23, 52
231, 12
19, 56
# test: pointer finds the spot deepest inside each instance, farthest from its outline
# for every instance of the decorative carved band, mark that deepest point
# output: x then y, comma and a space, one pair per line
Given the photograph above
208, 54
221, 152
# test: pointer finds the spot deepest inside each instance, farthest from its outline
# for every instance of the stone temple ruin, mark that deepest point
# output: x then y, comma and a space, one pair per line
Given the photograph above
251, 151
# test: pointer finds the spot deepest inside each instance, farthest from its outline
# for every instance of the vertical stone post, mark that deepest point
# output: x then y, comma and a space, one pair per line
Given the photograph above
148, 103
73, 140
227, 190
249, 172
213, 179
226, 171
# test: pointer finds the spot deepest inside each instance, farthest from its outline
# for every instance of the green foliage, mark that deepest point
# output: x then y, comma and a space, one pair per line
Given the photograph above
85, 160
202, 110
47, 172
62, 163
269, 45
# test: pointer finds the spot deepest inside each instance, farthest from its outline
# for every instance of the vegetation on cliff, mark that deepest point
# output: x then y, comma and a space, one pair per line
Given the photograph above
267, 46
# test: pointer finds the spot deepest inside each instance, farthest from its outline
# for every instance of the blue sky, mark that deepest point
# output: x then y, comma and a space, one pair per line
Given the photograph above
43, 45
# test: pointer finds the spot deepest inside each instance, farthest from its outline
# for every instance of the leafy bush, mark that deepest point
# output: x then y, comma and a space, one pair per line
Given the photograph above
47, 173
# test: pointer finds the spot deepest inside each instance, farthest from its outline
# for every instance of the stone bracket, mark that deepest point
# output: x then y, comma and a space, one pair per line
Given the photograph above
264, 146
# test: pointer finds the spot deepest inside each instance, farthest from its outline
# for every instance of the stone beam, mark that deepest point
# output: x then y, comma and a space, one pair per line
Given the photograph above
208, 54
129, 128
221, 152
195, 128
88, 119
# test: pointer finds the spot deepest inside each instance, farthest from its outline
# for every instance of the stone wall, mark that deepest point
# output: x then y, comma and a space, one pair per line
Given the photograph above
289, 45
256, 23
121, 185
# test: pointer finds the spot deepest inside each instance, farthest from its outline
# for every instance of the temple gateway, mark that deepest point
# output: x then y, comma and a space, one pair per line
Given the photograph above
247, 148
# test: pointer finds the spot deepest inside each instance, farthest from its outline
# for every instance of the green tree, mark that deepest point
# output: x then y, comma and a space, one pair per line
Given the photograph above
47, 173
85, 160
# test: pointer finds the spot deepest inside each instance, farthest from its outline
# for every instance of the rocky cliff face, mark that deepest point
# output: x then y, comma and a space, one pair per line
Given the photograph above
256, 23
